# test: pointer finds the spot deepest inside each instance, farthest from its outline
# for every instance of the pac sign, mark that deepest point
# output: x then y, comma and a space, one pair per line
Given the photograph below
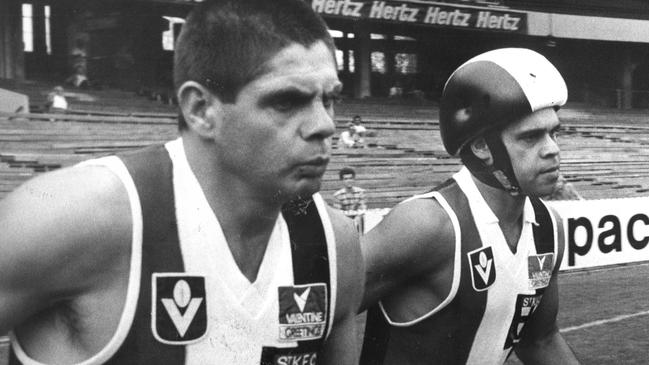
604, 232
610, 234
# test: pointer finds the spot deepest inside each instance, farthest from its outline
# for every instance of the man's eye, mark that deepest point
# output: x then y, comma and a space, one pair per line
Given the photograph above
283, 105
556, 133
330, 100
287, 102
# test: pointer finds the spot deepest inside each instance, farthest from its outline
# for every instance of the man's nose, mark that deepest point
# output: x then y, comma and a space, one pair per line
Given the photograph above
551, 146
319, 124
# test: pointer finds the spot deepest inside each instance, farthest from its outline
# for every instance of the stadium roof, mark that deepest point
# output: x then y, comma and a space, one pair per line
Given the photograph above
633, 9
638, 9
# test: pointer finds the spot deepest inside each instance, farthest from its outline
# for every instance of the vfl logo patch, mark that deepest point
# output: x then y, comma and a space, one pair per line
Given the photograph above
483, 270
539, 268
302, 312
179, 308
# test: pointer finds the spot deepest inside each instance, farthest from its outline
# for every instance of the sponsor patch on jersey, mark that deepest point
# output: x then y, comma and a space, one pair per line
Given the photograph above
483, 269
302, 312
179, 308
275, 356
540, 270
525, 306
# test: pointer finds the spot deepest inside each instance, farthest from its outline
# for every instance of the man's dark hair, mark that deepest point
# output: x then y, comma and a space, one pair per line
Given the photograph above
224, 44
346, 171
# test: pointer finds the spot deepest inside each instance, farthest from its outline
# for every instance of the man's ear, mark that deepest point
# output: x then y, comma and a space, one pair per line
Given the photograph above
197, 104
481, 150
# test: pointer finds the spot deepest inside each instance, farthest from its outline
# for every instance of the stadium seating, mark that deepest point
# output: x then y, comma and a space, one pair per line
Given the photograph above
604, 151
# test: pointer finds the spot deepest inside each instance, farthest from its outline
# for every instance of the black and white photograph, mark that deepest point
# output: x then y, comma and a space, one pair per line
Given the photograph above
324, 182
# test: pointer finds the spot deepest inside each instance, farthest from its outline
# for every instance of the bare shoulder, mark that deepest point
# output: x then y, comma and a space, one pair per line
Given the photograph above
416, 239
62, 232
417, 228
350, 267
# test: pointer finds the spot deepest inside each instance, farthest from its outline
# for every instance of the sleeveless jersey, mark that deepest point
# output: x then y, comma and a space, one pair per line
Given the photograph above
187, 300
493, 293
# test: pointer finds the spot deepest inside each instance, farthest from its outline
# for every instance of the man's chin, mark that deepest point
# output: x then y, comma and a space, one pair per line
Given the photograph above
542, 192
309, 187
303, 189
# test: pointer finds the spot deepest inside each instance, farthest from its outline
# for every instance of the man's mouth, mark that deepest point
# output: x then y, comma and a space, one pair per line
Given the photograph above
550, 170
315, 167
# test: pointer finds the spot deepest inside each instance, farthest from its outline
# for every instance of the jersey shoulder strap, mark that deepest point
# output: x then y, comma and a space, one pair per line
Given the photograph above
152, 172
310, 270
544, 231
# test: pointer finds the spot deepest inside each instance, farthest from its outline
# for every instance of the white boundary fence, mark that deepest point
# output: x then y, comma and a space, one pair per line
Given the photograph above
597, 232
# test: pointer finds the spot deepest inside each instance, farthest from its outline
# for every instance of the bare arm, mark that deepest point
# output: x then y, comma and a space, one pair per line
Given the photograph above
542, 343
53, 230
341, 346
415, 238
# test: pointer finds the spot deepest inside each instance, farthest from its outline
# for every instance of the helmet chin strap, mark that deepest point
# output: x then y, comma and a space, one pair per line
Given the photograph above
500, 174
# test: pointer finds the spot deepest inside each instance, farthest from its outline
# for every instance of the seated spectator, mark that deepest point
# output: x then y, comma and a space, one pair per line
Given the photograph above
56, 102
358, 128
396, 90
351, 199
78, 79
361, 130
349, 138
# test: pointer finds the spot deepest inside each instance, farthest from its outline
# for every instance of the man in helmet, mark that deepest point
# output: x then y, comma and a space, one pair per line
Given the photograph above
468, 272
214, 248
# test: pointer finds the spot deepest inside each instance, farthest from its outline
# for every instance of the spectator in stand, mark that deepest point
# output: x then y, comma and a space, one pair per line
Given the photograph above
56, 102
353, 136
78, 79
396, 90
358, 128
79, 56
350, 139
351, 199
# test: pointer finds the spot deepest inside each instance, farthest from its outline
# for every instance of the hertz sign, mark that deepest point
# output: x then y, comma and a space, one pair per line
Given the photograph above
432, 14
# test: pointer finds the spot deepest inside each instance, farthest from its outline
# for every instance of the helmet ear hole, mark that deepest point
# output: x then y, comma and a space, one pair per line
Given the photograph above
463, 115
480, 149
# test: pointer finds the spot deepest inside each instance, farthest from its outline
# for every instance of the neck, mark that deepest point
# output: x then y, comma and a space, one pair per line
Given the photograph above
246, 215
507, 208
